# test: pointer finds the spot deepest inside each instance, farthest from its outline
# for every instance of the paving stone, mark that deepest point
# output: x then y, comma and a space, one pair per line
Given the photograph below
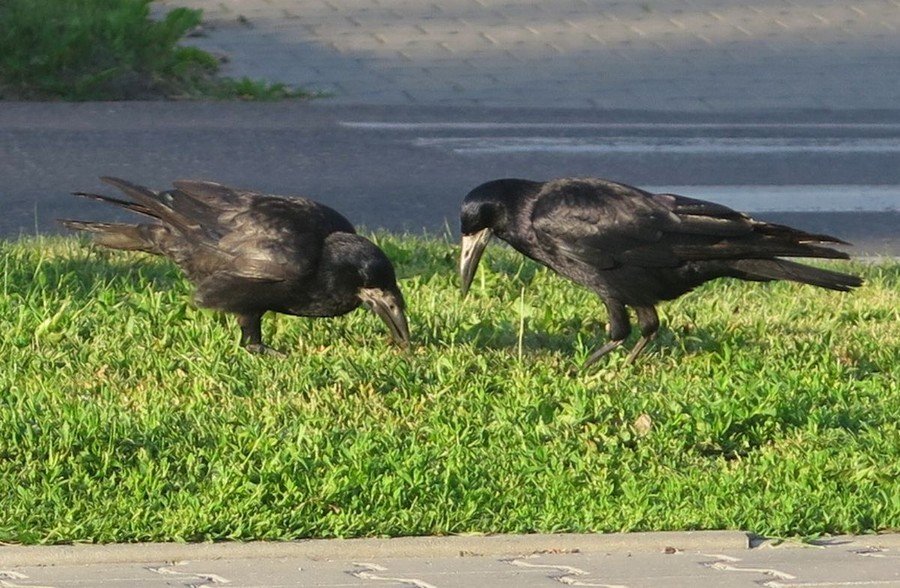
796, 45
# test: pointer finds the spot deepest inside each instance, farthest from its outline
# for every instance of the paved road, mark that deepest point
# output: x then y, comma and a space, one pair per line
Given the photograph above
674, 55
843, 562
407, 168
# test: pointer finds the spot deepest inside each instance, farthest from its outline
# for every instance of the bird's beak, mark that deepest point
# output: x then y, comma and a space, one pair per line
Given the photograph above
389, 308
472, 247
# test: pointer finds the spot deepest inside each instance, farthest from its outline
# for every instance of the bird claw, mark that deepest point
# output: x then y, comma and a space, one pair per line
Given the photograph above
639, 348
597, 354
261, 349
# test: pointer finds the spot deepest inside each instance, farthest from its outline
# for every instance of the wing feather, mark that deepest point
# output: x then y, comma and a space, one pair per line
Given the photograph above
602, 223
606, 225
265, 237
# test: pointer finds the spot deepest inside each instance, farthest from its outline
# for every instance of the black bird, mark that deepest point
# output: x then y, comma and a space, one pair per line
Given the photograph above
248, 253
634, 248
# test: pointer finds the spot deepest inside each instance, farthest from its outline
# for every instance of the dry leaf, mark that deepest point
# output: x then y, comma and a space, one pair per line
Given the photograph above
643, 424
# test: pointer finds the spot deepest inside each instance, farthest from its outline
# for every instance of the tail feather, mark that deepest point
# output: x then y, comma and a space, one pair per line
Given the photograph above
153, 203
755, 249
119, 236
794, 235
782, 269
132, 206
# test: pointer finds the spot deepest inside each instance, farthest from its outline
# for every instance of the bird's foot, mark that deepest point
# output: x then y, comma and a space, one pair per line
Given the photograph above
638, 348
596, 355
261, 349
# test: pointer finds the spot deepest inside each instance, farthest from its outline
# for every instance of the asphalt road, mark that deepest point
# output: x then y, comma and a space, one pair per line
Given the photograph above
407, 168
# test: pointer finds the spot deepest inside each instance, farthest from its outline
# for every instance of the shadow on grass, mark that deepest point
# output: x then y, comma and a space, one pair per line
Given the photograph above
504, 335
722, 340
418, 259
80, 278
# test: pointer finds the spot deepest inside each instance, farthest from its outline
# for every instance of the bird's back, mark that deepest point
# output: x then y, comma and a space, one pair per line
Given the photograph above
248, 234
640, 247
240, 248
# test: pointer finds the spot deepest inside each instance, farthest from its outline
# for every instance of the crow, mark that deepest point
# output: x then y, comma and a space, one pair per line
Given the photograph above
635, 248
247, 253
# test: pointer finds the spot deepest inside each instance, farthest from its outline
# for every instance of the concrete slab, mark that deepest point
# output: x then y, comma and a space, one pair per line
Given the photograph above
375, 548
837, 562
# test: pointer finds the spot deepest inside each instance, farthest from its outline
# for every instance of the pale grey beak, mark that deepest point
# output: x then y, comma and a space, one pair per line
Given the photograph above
472, 248
389, 308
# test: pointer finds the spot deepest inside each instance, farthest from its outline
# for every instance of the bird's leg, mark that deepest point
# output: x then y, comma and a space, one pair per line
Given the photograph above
600, 352
648, 320
251, 330
618, 330
251, 335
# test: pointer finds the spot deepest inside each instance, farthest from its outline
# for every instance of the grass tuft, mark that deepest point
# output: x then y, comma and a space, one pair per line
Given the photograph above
126, 414
110, 50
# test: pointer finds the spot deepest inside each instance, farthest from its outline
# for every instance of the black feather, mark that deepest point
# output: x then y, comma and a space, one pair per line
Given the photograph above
634, 248
249, 253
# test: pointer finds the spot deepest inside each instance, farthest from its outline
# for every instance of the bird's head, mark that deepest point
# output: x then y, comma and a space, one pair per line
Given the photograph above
362, 266
486, 211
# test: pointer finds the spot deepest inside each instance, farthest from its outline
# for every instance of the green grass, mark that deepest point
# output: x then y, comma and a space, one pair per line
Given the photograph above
126, 414
110, 50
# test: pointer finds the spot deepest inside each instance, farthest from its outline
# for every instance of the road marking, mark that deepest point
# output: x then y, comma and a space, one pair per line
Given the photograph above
205, 579
727, 567
568, 576
6, 575
777, 584
570, 581
878, 555
722, 557
662, 145
725, 564
637, 126
567, 569
800, 198
369, 568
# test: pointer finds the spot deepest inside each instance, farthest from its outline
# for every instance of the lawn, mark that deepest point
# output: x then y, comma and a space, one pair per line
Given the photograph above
126, 414
111, 50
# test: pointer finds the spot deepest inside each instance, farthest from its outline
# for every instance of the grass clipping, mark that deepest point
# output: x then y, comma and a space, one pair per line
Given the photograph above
126, 414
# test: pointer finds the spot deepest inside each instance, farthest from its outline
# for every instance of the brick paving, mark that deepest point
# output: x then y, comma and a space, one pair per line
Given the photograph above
696, 55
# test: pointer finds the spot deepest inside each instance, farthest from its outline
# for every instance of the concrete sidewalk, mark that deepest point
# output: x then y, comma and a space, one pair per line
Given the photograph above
685, 55
690, 559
